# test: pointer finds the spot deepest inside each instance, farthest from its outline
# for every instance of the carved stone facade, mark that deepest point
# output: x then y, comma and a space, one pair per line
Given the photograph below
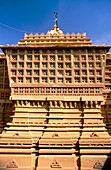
55, 103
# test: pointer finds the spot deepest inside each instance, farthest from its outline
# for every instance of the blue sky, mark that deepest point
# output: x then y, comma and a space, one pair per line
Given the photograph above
90, 16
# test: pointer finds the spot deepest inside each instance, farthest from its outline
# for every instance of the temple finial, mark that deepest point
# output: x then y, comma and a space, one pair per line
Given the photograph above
56, 18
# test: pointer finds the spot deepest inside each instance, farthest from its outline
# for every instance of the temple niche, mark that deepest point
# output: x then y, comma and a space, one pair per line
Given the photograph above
55, 103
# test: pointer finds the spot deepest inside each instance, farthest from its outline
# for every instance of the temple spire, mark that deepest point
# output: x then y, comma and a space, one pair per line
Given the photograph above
56, 18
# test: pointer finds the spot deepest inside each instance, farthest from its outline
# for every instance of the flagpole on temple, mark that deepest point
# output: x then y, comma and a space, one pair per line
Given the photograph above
56, 18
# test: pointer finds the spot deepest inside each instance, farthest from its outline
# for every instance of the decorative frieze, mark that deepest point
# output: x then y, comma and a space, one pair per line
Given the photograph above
58, 104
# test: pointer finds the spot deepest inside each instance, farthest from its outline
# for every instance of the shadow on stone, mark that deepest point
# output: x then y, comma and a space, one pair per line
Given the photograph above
107, 164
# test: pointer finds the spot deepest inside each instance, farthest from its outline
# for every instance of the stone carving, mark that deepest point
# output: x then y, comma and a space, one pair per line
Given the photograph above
87, 104
50, 103
61, 104
65, 104
12, 164
55, 135
70, 104
94, 135
98, 165
55, 164
55, 103
16, 134
75, 104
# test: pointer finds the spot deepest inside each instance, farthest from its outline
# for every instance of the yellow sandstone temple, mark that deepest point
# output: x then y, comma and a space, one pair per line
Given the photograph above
55, 103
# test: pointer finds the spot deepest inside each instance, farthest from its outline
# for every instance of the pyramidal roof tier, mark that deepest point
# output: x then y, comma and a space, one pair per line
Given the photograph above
55, 36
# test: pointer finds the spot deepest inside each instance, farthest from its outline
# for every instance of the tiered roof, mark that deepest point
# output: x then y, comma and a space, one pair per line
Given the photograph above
54, 38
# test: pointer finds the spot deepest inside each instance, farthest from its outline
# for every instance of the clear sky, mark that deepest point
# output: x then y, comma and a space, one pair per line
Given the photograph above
90, 16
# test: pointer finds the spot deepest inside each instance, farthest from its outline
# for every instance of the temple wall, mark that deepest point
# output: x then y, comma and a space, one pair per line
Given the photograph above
55, 103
